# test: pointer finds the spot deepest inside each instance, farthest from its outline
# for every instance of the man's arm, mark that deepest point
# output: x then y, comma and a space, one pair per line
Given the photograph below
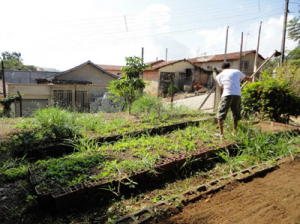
248, 79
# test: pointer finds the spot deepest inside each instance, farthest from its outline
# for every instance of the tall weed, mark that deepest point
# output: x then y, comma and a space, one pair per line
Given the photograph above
59, 122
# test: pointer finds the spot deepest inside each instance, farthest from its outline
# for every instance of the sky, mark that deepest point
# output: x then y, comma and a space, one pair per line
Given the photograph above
62, 34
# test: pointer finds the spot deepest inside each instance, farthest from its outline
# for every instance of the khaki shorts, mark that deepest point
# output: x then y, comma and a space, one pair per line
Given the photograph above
234, 103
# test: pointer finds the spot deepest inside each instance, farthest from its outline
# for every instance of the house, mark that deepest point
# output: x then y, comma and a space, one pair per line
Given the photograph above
248, 57
184, 72
76, 88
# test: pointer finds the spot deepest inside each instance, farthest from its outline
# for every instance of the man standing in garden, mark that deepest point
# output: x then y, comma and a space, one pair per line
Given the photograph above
229, 80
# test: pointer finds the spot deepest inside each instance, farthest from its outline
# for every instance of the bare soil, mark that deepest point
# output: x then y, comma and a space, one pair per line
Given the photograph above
274, 126
272, 199
6, 128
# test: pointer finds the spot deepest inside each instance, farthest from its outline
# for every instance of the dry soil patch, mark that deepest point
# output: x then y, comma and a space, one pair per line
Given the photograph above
272, 199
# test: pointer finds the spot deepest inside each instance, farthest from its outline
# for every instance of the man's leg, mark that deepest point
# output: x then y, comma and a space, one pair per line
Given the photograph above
221, 124
222, 112
235, 124
236, 112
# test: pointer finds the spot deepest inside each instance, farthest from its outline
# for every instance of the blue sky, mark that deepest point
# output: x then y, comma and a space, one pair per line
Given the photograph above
63, 33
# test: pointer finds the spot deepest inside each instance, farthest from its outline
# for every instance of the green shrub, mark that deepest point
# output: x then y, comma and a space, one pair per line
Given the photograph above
60, 123
16, 173
272, 99
146, 103
291, 74
175, 89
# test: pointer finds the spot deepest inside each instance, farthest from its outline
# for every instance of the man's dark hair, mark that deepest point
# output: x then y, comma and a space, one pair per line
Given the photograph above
225, 65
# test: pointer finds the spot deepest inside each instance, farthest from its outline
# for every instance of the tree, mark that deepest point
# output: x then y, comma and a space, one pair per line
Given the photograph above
11, 56
13, 61
134, 67
128, 87
294, 29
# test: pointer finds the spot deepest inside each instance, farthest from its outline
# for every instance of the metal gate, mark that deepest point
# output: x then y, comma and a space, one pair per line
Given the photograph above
81, 101
63, 98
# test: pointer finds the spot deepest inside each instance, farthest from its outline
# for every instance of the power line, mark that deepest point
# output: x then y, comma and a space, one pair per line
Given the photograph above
150, 31
130, 40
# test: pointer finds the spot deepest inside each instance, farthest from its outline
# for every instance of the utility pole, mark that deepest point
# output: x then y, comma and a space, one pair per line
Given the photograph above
3, 80
142, 60
257, 49
166, 54
241, 51
284, 31
226, 41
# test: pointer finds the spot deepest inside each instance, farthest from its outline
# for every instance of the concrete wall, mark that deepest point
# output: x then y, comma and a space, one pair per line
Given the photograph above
152, 78
177, 68
30, 91
87, 73
26, 77
45, 91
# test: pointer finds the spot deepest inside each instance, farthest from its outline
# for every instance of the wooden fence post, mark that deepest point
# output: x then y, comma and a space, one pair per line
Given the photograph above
218, 90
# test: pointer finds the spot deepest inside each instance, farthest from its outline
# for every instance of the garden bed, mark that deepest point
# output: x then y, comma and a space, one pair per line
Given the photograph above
39, 144
129, 162
66, 197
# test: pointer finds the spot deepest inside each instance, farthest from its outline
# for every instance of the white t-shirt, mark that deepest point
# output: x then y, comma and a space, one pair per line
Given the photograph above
230, 80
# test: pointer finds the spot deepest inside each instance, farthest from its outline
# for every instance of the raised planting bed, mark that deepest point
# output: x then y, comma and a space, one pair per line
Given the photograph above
200, 192
67, 147
120, 167
150, 130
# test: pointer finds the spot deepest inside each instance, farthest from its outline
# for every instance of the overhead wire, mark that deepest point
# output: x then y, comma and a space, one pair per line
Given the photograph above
130, 40
92, 33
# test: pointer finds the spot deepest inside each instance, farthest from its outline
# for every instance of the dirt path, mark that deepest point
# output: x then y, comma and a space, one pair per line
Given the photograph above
272, 199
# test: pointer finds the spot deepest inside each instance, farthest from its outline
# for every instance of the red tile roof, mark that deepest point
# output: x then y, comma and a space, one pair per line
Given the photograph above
111, 67
165, 63
220, 57
152, 63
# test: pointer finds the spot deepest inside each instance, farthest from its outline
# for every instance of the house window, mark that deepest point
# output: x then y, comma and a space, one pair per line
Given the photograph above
63, 98
81, 100
245, 65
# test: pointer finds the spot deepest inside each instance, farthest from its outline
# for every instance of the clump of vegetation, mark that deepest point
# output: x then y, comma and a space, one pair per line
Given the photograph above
291, 74
6, 103
271, 99
151, 109
175, 89
58, 123
146, 104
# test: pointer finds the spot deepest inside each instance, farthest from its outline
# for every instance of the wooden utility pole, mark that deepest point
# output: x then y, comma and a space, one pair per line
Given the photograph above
166, 54
21, 107
142, 60
257, 49
226, 41
3, 80
218, 90
241, 51
284, 31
